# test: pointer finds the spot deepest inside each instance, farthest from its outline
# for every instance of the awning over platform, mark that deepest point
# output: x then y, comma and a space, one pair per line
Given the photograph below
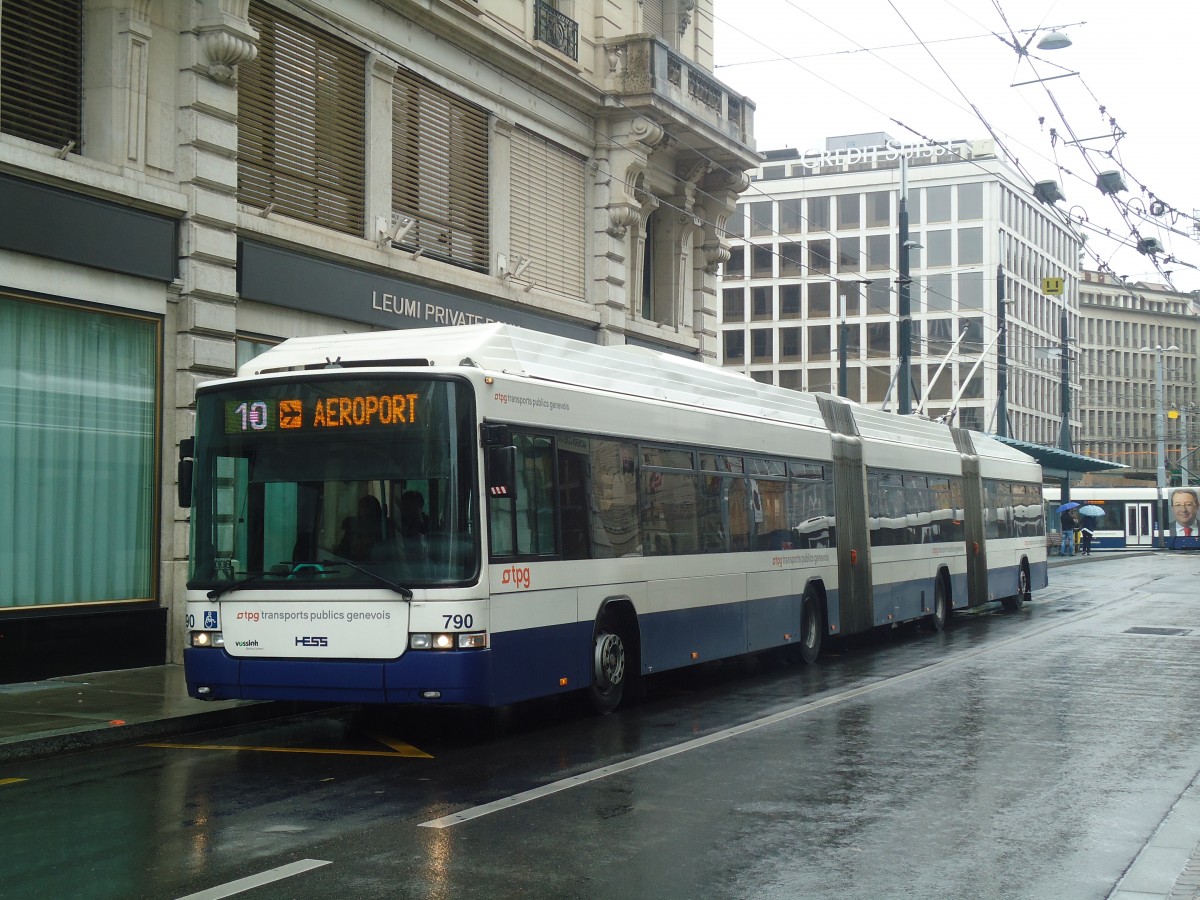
1057, 463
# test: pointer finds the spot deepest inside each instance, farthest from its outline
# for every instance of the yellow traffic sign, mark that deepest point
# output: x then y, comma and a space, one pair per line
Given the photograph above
1052, 286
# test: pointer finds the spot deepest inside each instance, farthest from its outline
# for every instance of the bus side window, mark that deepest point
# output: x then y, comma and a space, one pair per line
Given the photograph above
573, 505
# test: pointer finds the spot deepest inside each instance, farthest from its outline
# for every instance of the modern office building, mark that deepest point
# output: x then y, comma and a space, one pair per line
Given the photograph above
818, 232
185, 183
1126, 329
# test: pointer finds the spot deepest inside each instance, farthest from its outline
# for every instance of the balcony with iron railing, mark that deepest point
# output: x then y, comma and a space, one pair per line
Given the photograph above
556, 30
644, 74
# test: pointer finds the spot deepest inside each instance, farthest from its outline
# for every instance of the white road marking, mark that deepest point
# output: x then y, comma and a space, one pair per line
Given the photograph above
253, 881
486, 809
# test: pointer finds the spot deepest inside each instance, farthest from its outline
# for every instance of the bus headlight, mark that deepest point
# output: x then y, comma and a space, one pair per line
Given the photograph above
208, 639
448, 641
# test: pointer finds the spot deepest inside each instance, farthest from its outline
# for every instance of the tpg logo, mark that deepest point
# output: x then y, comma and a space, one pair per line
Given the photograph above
518, 575
312, 642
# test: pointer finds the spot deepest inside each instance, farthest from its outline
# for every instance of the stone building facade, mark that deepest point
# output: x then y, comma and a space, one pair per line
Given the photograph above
188, 182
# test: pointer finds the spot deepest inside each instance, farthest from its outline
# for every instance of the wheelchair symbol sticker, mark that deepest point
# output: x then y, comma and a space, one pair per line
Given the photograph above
210, 619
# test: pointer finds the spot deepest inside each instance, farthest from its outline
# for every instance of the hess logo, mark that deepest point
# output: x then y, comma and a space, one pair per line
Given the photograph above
312, 642
518, 575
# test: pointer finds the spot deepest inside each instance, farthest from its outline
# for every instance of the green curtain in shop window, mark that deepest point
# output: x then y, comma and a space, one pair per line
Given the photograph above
77, 443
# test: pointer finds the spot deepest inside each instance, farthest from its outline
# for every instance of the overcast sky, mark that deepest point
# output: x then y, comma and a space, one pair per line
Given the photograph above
928, 62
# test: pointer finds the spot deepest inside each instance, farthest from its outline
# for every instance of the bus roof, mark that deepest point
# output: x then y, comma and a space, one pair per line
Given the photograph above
500, 349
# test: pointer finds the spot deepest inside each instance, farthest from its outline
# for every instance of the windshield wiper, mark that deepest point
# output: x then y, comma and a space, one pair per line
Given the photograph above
251, 578
374, 576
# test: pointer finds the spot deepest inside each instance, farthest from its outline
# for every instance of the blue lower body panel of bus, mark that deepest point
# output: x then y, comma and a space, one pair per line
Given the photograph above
456, 677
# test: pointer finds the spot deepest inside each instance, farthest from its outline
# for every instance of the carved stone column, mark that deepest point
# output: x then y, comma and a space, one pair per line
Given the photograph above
621, 165
205, 314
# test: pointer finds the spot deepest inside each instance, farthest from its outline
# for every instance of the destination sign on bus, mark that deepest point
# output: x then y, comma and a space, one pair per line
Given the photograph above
295, 415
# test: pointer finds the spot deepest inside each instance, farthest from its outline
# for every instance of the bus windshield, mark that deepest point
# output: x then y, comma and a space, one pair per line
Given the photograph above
334, 480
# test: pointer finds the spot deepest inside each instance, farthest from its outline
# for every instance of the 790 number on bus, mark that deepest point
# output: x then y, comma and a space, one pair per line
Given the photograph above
457, 621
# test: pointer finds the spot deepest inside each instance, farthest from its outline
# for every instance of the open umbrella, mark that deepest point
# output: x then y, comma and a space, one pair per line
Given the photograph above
1091, 510
1064, 507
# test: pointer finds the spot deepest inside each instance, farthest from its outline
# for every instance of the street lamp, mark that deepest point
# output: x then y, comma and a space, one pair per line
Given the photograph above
904, 301
1161, 429
843, 334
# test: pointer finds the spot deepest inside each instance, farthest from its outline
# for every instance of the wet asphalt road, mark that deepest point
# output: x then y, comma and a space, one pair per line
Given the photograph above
1023, 755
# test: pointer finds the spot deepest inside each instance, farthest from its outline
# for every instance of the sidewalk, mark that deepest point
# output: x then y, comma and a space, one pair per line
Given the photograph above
78, 712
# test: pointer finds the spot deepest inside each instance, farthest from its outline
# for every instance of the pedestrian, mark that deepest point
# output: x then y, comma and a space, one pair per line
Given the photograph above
1086, 539
1067, 522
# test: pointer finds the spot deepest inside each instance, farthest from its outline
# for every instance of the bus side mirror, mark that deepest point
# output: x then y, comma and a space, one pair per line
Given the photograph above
187, 447
502, 471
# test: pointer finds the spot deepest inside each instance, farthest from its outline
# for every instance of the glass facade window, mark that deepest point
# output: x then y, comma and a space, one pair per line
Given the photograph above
789, 301
879, 252
789, 344
791, 220
78, 433
762, 341
847, 211
972, 342
879, 209
938, 292
791, 259
760, 304
970, 246
762, 261
792, 379
818, 214
734, 352
819, 380
848, 254
970, 290
733, 305
818, 257
937, 204
819, 345
818, 300
941, 335
879, 296
878, 380
938, 247
760, 218
970, 201
879, 339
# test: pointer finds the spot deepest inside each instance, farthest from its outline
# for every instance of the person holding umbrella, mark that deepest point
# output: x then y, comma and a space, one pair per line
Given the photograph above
1068, 523
1086, 533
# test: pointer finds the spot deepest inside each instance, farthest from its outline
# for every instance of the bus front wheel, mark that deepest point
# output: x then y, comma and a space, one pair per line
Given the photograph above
812, 629
609, 669
941, 606
1024, 592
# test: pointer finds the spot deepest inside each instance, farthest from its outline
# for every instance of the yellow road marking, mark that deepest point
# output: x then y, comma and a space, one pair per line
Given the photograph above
4, 781
398, 749
402, 748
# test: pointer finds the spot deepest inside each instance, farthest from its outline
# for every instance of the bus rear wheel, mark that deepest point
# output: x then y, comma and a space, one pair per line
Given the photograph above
609, 668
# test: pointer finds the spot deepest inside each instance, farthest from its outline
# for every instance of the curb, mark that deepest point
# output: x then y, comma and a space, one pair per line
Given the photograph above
97, 735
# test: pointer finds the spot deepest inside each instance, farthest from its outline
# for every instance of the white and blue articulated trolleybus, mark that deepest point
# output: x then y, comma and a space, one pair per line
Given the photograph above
485, 514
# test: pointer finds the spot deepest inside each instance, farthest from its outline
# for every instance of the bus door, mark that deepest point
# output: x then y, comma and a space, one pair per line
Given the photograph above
1139, 523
